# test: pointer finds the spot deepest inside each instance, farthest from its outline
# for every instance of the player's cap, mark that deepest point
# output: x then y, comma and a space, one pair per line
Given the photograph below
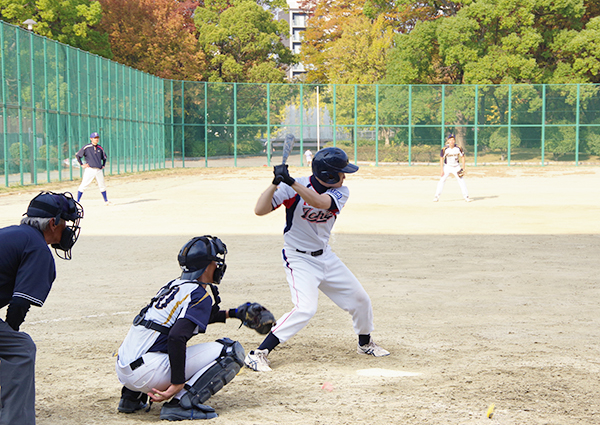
55, 205
94, 135
450, 136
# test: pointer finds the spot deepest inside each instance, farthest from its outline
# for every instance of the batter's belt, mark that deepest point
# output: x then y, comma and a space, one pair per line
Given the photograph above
313, 253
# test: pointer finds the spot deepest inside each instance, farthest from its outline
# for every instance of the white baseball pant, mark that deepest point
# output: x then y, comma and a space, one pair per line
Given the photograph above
307, 275
89, 174
452, 169
156, 370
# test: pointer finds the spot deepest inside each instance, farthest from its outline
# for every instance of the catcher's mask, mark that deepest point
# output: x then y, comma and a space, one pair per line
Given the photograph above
59, 206
329, 162
198, 253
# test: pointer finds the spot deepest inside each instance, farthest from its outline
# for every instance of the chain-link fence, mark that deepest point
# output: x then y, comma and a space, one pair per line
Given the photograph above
54, 96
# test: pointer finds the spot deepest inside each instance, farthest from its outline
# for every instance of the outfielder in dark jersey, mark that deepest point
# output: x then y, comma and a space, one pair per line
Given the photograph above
95, 160
27, 271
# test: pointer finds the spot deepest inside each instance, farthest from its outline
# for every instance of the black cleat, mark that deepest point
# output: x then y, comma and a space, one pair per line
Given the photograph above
130, 406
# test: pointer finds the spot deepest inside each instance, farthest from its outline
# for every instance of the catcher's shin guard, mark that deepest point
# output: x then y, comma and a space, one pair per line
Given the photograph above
217, 376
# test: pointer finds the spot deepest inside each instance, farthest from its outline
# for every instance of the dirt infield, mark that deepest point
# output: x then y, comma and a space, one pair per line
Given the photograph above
492, 302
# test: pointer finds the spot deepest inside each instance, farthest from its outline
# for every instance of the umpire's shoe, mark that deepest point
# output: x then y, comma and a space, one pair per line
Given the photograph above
172, 411
131, 401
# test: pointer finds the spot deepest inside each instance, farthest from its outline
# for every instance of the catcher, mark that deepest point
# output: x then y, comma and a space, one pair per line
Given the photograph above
155, 361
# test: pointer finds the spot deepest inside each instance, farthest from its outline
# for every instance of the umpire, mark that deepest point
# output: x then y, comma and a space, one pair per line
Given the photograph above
27, 271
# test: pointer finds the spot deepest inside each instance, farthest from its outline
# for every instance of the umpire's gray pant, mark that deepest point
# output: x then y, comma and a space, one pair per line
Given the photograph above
17, 377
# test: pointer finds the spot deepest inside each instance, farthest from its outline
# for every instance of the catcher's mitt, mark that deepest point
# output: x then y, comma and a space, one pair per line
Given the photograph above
255, 316
461, 173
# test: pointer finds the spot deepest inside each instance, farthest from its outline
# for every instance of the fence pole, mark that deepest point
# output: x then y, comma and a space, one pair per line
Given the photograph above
355, 120
46, 107
183, 127
377, 125
476, 128
268, 144
301, 115
4, 108
577, 125
409, 125
334, 117
20, 103
205, 124
509, 121
235, 124
173, 126
69, 134
58, 109
543, 123
33, 152
79, 115
443, 114
88, 92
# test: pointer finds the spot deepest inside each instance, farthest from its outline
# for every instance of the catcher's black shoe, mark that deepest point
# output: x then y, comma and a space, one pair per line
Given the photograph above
173, 411
130, 406
131, 401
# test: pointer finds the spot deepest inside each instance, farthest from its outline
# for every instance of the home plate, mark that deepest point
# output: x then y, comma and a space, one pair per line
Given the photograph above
385, 372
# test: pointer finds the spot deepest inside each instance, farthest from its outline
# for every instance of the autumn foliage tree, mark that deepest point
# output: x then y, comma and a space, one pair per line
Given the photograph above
155, 36
347, 41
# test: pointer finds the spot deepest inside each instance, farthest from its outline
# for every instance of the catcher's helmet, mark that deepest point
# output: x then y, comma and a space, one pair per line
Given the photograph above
328, 162
198, 253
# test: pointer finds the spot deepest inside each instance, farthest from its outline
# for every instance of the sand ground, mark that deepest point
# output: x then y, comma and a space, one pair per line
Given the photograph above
492, 302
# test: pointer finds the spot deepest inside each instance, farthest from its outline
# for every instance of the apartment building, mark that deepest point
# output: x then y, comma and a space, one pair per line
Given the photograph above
296, 18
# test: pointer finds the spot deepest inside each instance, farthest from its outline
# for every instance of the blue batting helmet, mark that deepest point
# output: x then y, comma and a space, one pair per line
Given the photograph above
328, 162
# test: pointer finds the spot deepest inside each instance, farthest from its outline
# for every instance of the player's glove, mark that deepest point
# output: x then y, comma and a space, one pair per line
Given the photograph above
282, 174
461, 173
255, 316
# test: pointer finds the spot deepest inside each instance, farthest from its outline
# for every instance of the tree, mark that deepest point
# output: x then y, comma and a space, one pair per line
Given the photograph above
344, 43
242, 43
495, 42
155, 36
72, 22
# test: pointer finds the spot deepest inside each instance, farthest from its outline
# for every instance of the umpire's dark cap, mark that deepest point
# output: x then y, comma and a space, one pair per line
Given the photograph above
54, 205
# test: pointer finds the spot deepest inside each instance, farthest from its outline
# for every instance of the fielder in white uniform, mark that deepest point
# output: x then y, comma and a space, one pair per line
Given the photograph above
312, 205
154, 359
451, 158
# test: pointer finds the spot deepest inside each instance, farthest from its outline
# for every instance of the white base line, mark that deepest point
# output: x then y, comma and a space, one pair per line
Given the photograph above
68, 319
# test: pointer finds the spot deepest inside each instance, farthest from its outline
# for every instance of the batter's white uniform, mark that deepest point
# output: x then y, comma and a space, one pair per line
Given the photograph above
181, 299
308, 230
452, 166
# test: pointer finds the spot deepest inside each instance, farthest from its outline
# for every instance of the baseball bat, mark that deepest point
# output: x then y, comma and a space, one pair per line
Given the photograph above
288, 144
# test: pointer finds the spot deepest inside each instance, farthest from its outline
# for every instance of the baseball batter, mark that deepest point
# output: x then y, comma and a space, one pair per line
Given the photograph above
312, 205
451, 158
95, 160
154, 359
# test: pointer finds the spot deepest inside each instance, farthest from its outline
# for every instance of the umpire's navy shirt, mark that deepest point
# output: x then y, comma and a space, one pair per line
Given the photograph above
94, 155
27, 267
